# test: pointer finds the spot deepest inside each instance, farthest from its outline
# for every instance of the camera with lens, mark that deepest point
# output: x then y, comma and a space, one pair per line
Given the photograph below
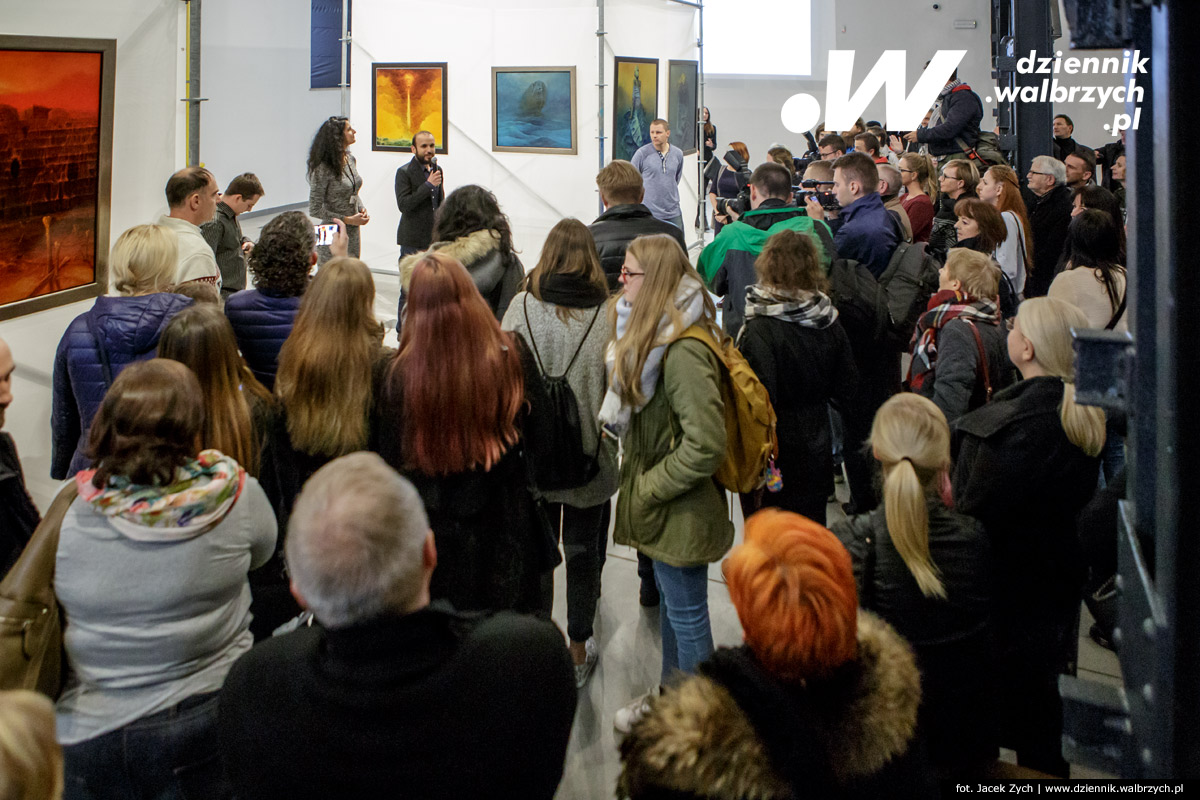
741, 171
821, 190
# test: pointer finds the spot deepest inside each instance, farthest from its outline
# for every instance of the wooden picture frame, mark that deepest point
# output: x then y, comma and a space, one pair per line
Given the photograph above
633, 111
56, 136
534, 110
683, 85
394, 89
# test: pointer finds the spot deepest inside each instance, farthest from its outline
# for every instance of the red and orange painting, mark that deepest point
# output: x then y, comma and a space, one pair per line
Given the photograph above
407, 99
49, 170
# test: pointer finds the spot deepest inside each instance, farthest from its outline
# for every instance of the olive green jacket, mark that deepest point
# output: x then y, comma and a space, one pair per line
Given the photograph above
669, 507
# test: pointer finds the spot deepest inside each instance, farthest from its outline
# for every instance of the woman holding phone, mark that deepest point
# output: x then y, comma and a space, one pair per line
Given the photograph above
334, 183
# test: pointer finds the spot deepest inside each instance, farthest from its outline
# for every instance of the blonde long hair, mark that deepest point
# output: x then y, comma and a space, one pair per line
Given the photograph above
911, 440
665, 264
926, 171
1047, 322
325, 366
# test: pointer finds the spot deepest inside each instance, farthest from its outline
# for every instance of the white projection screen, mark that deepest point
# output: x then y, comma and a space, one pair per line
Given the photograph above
733, 43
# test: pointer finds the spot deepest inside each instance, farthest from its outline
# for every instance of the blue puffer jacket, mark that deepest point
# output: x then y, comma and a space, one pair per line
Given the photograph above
262, 322
129, 328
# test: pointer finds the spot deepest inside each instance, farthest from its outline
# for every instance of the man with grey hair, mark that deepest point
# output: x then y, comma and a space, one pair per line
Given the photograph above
889, 192
387, 693
1049, 204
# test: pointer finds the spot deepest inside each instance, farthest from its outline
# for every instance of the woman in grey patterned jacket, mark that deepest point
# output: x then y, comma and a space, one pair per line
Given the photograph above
334, 183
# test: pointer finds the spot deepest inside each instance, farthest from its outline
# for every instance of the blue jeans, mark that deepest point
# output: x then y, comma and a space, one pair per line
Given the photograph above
171, 755
683, 617
677, 221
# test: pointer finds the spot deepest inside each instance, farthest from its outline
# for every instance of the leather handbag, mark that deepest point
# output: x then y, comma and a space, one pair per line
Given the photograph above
31, 625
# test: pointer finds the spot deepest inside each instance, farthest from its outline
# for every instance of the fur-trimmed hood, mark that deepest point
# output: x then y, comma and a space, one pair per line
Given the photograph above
469, 249
698, 741
497, 275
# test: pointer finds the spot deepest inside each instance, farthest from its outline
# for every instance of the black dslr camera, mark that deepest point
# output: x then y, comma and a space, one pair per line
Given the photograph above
740, 204
821, 190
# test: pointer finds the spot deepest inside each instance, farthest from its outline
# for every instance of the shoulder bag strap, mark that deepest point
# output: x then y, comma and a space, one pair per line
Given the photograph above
983, 362
528, 327
586, 333
1112, 323
105, 366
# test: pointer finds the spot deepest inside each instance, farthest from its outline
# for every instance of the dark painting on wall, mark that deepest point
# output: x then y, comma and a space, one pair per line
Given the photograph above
682, 77
533, 110
635, 104
405, 100
56, 116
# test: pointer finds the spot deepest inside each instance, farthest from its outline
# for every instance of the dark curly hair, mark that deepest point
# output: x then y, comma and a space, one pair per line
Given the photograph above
468, 209
283, 256
328, 146
148, 425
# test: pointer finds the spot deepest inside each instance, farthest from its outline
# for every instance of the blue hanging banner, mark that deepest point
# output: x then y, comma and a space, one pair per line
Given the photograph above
325, 53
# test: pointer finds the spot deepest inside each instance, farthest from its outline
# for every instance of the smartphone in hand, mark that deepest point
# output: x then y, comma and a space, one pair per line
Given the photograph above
325, 234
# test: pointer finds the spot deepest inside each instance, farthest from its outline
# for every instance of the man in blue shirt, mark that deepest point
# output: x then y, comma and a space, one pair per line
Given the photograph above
865, 230
661, 165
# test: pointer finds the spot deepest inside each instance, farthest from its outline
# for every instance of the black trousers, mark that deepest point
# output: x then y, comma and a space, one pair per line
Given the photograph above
584, 534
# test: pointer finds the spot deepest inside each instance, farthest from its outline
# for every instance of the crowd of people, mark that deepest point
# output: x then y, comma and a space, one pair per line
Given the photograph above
299, 563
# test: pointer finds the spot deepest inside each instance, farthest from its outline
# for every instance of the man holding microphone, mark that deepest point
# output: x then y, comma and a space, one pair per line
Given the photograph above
418, 194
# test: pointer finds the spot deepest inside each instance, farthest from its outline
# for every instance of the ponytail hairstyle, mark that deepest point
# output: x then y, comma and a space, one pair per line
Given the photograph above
926, 171
911, 440
1011, 200
1047, 322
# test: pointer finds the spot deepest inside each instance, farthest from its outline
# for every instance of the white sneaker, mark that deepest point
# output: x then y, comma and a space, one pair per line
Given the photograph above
628, 716
584, 671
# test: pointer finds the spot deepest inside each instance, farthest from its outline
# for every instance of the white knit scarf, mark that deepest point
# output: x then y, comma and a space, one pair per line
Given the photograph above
615, 414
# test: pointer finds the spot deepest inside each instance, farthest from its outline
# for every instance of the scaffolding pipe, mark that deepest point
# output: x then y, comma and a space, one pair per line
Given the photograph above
192, 93
345, 59
702, 209
600, 34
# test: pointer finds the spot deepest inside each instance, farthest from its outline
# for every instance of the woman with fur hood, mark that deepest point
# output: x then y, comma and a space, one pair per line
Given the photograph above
471, 228
821, 701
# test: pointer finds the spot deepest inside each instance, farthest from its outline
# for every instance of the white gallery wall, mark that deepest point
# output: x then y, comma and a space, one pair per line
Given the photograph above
148, 127
260, 115
534, 190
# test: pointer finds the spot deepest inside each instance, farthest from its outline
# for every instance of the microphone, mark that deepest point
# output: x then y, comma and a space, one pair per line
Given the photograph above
433, 164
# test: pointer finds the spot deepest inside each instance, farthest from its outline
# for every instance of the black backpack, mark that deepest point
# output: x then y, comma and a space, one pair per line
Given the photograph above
860, 301
910, 279
553, 432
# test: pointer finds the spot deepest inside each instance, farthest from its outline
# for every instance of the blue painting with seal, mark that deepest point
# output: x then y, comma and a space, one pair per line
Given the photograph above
533, 109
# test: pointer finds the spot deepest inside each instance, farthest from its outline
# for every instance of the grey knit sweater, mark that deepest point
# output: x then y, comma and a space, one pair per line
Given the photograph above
556, 342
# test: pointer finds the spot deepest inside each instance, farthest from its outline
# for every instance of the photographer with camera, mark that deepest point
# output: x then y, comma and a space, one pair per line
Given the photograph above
727, 180
864, 230
728, 262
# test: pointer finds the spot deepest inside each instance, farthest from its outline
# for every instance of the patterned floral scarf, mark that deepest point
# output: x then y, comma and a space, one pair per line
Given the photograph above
810, 309
202, 494
943, 307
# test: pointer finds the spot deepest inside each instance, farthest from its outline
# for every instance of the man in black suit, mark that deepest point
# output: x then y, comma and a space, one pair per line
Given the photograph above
418, 194
18, 515
388, 694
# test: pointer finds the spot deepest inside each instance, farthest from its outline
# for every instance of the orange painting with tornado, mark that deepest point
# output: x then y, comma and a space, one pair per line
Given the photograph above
407, 99
49, 169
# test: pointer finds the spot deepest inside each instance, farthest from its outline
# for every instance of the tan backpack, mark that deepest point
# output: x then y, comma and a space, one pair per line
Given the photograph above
750, 439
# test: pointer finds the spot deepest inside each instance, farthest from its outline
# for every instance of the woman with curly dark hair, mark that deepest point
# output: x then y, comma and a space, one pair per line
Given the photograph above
334, 183
262, 317
471, 228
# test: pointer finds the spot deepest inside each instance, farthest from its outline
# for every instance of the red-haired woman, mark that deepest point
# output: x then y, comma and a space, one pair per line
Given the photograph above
821, 701
448, 415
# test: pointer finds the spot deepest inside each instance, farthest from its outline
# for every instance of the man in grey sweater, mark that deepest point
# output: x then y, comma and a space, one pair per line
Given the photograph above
661, 165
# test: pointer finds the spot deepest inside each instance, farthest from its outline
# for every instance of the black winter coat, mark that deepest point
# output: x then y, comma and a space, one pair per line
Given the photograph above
493, 538
953, 638
617, 227
955, 385
962, 111
19, 517
803, 369
1049, 216
1016, 471
417, 200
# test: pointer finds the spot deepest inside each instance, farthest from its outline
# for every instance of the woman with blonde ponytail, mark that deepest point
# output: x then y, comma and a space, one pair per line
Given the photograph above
917, 173
1025, 464
927, 570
